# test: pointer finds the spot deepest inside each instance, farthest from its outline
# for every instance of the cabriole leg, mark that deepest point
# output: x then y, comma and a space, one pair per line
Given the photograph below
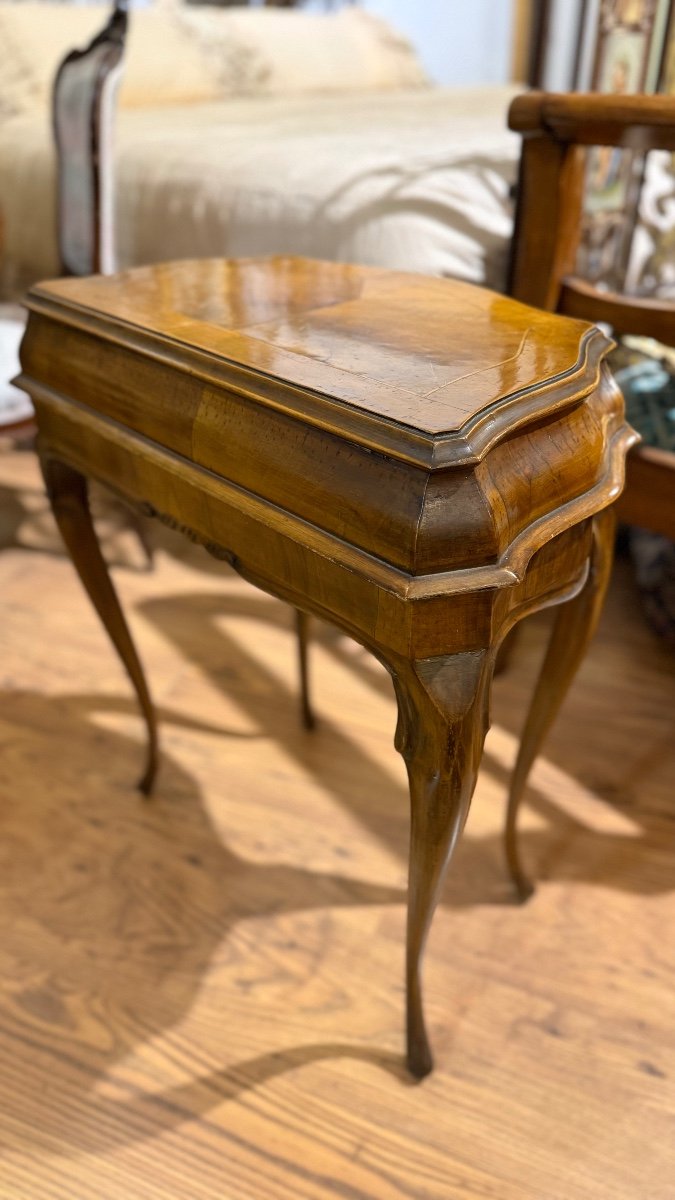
573, 628
67, 491
443, 719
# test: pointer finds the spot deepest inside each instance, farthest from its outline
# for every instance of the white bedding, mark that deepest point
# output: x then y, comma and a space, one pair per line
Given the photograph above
417, 180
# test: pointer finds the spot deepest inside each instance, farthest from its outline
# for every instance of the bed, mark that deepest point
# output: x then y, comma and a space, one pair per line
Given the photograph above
226, 144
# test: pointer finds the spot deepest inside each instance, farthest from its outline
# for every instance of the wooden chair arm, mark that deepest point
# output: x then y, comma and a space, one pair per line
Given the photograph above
637, 315
591, 119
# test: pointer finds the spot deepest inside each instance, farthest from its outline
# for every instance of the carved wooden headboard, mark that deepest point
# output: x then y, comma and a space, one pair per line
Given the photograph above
83, 113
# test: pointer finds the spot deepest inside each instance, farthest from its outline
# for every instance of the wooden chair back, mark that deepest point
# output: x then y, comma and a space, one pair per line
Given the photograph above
556, 130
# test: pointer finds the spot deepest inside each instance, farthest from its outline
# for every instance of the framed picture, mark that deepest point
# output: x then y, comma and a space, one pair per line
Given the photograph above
629, 39
651, 267
627, 12
623, 45
621, 59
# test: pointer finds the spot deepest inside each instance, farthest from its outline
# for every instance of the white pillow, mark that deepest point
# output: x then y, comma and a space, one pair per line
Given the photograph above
267, 50
163, 64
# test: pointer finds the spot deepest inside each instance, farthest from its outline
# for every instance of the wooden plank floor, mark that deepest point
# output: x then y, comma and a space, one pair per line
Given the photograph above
200, 996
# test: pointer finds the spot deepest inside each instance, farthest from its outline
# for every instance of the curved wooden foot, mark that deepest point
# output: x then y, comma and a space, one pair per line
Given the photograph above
443, 719
67, 492
574, 626
302, 630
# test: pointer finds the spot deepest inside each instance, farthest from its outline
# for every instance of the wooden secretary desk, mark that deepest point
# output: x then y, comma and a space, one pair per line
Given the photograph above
421, 462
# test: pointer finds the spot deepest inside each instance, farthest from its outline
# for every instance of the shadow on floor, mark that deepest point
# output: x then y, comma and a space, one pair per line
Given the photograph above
197, 626
131, 900
127, 901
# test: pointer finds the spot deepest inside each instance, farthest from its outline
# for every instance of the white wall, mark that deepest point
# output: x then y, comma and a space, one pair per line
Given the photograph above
459, 41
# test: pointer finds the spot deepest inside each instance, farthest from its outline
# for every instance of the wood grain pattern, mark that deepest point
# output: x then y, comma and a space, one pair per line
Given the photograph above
199, 998
430, 370
428, 559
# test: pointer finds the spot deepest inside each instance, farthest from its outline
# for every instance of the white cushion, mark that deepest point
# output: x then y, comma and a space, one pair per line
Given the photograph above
163, 64
267, 50
182, 54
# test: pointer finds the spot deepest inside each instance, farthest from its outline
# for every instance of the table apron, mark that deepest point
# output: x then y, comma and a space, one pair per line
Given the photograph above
377, 603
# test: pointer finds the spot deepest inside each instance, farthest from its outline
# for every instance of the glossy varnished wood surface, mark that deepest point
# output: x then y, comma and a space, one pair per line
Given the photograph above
417, 483
407, 350
199, 998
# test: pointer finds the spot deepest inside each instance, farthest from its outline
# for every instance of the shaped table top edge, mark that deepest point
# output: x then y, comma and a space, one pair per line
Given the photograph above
466, 445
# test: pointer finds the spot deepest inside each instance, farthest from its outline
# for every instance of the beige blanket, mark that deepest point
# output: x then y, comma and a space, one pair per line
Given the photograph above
417, 180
